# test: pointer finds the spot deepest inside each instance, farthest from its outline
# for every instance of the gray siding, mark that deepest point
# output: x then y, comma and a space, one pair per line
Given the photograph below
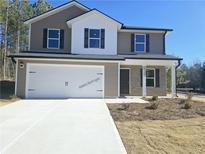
124, 43
55, 21
135, 83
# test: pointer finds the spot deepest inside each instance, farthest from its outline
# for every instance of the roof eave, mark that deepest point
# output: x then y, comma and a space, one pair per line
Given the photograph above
56, 10
146, 28
151, 58
75, 19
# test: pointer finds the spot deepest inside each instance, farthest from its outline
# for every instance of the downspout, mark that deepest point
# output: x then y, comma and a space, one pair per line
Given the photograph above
164, 42
13, 60
179, 63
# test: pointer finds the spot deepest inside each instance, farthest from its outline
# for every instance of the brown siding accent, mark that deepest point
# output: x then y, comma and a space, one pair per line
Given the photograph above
58, 21
124, 43
111, 76
21, 80
136, 89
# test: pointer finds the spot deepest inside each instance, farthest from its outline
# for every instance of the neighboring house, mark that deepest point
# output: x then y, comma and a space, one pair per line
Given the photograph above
79, 52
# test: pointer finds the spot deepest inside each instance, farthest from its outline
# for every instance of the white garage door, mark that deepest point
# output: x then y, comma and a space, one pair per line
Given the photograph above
64, 81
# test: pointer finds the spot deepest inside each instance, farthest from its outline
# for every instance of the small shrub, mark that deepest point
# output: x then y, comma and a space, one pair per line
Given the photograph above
188, 101
187, 105
189, 96
123, 107
154, 98
13, 97
153, 106
182, 101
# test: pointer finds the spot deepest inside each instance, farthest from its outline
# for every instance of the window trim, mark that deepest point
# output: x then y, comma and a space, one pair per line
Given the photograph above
94, 38
53, 38
144, 43
154, 78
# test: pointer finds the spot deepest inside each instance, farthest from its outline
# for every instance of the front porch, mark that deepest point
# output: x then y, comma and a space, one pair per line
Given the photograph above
146, 77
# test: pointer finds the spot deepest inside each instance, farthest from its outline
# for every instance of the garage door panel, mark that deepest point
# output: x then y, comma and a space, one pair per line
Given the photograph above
64, 81
45, 83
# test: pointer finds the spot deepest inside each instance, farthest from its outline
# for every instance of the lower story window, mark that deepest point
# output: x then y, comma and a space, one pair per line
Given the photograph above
150, 77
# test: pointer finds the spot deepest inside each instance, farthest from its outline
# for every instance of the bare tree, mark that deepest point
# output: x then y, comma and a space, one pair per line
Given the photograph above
5, 45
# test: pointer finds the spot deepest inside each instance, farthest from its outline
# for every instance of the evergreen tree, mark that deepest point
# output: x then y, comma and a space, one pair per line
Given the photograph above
13, 32
40, 7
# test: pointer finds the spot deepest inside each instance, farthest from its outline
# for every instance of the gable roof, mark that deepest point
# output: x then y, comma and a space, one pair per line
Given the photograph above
89, 11
56, 10
94, 11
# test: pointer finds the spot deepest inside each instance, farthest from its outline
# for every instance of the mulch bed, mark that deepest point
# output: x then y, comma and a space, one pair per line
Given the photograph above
168, 109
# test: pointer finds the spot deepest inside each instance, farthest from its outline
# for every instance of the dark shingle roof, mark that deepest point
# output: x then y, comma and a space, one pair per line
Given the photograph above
145, 28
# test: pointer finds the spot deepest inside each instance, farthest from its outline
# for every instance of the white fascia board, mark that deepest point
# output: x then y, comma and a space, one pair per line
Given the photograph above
93, 12
54, 11
141, 31
149, 62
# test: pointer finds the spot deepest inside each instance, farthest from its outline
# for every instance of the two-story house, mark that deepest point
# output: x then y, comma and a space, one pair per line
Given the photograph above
78, 52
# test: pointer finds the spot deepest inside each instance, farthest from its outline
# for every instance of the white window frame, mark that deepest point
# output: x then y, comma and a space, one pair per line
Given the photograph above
53, 38
154, 78
144, 43
94, 38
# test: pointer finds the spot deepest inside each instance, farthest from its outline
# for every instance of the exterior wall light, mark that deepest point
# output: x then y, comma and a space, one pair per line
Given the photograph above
21, 64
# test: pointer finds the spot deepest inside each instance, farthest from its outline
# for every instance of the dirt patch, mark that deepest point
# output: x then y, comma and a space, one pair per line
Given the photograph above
168, 109
8, 101
167, 136
167, 129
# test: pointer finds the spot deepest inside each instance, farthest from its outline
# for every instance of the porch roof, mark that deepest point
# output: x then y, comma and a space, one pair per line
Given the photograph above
122, 57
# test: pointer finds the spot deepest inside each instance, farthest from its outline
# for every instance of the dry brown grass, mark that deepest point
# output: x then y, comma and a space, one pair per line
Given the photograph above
168, 129
8, 101
163, 136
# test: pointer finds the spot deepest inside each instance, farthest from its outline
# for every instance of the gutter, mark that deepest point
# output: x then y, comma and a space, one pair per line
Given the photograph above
13, 60
164, 42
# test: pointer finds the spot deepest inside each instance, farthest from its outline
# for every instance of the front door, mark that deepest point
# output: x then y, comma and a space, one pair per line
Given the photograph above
124, 81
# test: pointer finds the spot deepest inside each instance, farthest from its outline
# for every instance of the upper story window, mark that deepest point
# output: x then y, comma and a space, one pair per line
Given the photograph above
94, 38
150, 77
140, 43
53, 39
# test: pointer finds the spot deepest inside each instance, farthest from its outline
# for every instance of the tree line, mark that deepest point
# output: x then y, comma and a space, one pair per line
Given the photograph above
192, 76
13, 33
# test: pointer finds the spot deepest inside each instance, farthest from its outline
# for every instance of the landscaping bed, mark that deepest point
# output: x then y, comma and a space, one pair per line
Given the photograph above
168, 109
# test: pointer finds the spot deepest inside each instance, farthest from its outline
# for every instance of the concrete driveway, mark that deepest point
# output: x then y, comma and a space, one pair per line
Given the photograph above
58, 127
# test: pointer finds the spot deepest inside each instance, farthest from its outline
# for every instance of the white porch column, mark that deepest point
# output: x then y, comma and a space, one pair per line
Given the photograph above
118, 79
173, 78
144, 87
